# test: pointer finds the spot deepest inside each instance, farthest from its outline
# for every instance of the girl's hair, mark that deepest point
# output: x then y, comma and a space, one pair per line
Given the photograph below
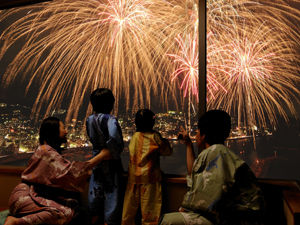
102, 100
49, 133
144, 120
216, 125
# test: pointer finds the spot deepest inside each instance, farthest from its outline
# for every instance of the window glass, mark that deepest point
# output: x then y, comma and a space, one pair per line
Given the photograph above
53, 54
252, 49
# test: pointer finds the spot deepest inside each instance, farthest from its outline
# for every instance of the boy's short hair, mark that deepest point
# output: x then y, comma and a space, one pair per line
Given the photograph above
144, 120
102, 100
216, 125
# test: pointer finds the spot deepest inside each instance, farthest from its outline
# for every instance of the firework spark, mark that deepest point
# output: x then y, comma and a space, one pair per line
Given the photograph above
256, 58
128, 46
262, 76
188, 64
89, 44
187, 58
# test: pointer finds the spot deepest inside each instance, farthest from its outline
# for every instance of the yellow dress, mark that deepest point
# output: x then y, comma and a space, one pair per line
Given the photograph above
144, 177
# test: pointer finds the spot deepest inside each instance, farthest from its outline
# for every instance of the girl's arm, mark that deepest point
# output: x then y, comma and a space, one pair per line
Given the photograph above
103, 155
165, 146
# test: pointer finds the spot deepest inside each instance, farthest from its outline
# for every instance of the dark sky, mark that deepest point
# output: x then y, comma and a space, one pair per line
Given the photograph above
15, 92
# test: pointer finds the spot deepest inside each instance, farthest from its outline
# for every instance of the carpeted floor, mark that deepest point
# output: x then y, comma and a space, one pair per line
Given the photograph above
3, 214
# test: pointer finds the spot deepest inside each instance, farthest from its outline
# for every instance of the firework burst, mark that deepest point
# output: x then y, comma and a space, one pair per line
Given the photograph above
89, 44
262, 78
73, 47
187, 60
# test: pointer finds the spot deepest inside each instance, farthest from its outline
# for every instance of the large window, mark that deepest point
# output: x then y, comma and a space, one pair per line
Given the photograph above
252, 50
178, 58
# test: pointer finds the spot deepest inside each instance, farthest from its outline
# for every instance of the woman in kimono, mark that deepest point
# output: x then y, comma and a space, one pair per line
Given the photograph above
43, 196
222, 188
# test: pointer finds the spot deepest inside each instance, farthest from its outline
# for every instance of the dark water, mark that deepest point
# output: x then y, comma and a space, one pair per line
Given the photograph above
278, 159
269, 159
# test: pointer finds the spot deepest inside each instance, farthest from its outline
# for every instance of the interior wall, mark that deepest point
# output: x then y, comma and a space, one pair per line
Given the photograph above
170, 187
8, 181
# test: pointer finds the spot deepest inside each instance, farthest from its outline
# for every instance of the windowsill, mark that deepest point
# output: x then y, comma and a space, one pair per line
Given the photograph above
166, 177
282, 196
170, 178
290, 188
12, 169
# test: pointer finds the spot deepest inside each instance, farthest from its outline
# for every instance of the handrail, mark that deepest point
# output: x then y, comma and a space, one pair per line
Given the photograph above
12, 169
282, 196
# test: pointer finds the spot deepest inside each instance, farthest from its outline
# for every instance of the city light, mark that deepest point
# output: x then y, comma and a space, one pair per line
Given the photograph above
146, 52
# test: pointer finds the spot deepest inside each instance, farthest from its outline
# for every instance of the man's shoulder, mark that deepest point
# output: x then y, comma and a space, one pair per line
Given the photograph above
215, 149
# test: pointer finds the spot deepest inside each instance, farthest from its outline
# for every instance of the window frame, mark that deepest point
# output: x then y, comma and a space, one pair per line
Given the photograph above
201, 66
202, 57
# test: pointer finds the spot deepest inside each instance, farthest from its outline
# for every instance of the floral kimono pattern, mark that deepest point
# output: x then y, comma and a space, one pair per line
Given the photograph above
42, 197
222, 186
104, 199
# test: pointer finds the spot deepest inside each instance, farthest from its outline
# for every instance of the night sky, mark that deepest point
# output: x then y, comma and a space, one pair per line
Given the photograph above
15, 93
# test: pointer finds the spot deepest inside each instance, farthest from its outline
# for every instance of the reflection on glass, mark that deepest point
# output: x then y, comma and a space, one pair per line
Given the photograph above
146, 52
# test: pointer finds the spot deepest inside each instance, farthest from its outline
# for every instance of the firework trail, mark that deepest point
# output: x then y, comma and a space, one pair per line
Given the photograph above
89, 44
187, 59
187, 65
262, 77
256, 58
73, 47
251, 54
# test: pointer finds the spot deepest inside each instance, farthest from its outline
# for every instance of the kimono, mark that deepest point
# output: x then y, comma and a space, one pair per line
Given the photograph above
105, 198
44, 195
144, 176
222, 190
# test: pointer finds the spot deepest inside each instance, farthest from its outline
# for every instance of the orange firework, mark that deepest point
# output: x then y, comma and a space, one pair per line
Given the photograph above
89, 44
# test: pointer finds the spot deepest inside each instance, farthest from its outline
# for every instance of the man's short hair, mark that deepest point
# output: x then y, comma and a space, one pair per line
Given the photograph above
216, 125
102, 100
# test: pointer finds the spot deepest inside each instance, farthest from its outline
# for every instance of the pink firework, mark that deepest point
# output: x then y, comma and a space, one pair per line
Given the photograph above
122, 15
188, 65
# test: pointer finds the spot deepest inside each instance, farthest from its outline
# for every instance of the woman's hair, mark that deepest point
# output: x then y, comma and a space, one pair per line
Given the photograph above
144, 120
216, 125
102, 100
49, 133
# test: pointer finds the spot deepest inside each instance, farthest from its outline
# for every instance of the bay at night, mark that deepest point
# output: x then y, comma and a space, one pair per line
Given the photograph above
267, 160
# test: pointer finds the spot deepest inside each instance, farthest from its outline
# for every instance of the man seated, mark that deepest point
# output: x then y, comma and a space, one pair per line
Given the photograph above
222, 187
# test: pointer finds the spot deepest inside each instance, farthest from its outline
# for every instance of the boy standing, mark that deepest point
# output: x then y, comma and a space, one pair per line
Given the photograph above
144, 174
104, 198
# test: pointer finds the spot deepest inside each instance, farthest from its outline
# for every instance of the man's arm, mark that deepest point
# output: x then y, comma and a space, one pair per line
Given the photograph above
190, 156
